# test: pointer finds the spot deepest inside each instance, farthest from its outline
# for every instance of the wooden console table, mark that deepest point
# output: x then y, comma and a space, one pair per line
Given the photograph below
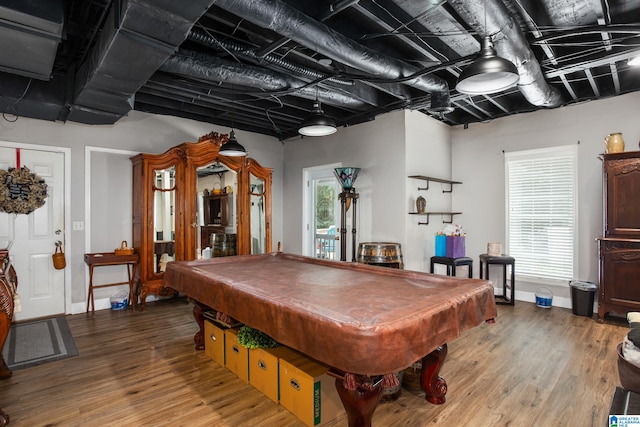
110, 258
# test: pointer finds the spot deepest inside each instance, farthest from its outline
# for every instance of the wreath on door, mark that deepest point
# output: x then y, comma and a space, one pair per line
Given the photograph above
21, 191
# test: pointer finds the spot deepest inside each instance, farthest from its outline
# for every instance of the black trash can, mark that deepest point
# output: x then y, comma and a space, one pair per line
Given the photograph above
582, 297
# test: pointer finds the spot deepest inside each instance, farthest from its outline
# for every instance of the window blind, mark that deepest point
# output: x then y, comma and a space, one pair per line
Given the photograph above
541, 211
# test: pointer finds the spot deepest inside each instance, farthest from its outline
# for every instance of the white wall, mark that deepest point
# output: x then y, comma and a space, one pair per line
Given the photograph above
387, 149
478, 163
378, 148
138, 132
428, 153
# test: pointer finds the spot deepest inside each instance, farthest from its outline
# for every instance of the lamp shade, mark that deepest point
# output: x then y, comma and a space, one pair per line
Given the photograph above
317, 124
489, 73
346, 176
232, 147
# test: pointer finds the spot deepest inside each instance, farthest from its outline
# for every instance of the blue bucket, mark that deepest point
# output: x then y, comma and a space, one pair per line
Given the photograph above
544, 298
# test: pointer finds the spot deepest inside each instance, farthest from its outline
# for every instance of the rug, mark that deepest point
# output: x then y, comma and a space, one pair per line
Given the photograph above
37, 342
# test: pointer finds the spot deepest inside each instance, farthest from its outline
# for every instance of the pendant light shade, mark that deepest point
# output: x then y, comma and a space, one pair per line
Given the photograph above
232, 147
317, 124
489, 73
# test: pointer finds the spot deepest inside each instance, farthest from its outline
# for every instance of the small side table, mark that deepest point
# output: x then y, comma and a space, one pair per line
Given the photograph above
505, 261
452, 263
110, 258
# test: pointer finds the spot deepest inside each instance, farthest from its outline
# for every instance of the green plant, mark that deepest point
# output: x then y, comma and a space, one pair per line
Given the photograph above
252, 338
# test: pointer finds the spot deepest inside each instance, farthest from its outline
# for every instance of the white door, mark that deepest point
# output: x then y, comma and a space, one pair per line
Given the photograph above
40, 286
323, 213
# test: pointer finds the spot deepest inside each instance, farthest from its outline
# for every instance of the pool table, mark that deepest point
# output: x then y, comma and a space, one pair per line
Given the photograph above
365, 322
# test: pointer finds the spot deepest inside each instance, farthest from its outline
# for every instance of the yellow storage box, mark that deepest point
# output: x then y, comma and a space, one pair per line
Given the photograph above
264, 369
214, 342
236, 356
308, 391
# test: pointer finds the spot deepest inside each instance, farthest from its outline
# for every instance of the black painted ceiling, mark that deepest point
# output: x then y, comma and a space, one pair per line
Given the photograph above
257, 65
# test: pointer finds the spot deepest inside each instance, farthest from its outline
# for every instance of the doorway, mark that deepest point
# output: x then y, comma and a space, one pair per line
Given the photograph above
44, 290
322, 213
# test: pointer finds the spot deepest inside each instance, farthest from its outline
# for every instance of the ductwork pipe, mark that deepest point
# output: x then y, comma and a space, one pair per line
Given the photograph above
211, 68
235, 46
289, 22
511, 44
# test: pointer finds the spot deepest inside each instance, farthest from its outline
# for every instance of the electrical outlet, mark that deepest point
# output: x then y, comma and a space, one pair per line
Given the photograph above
78, 225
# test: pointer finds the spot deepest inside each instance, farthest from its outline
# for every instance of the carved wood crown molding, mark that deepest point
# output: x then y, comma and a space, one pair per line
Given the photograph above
181, 153
624, 165
215, 137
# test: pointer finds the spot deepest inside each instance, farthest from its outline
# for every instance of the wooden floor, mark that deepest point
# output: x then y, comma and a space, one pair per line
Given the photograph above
533, 367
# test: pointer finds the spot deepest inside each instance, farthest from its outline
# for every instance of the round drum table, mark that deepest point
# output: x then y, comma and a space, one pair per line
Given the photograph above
385, 254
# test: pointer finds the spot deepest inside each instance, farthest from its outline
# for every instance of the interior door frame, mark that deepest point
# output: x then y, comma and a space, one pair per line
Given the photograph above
307, 210
66, 152
88, 152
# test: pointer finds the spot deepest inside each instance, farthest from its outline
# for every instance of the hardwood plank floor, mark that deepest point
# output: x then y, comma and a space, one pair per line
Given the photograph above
533, 367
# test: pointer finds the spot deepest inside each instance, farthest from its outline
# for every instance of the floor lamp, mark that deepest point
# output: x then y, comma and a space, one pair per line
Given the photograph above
348, 197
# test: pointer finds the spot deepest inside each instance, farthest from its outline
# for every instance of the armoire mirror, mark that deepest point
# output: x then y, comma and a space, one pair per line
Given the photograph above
217, 209
259, 207
164, 198
256, 212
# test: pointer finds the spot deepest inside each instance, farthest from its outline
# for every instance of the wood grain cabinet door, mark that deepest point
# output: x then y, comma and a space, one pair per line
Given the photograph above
620, 270
622, 181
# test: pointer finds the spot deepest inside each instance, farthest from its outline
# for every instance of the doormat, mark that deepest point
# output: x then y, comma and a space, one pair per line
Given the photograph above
37, 342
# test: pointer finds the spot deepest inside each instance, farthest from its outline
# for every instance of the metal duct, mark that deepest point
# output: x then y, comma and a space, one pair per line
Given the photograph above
511, 44
113, 72
37, 26
207, 67
289, 22
246, 51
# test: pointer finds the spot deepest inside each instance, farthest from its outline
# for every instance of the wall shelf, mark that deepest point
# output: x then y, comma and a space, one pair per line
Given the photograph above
431, 179
428, 214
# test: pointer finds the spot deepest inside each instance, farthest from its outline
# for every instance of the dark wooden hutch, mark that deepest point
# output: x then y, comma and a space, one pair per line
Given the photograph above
619, 247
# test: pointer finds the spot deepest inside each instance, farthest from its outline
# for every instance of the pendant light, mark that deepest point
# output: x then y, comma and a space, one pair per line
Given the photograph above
489, 73
232, 147
317, 123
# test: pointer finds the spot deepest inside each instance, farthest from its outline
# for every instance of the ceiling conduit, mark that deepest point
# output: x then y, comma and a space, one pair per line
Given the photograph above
289, 22
214, 69
511, 44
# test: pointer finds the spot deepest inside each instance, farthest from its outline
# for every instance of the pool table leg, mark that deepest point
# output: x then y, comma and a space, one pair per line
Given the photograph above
198, 338
433, 385
359, 403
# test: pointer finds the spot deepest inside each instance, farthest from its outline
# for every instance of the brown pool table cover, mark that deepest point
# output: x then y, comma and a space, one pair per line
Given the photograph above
354, 317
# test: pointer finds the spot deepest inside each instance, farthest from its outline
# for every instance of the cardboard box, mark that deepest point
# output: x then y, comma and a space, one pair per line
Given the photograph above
264, 369
214, 342
236, 356
308, 391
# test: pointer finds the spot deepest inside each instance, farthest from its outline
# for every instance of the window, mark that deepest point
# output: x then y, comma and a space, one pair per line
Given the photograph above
541, 212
